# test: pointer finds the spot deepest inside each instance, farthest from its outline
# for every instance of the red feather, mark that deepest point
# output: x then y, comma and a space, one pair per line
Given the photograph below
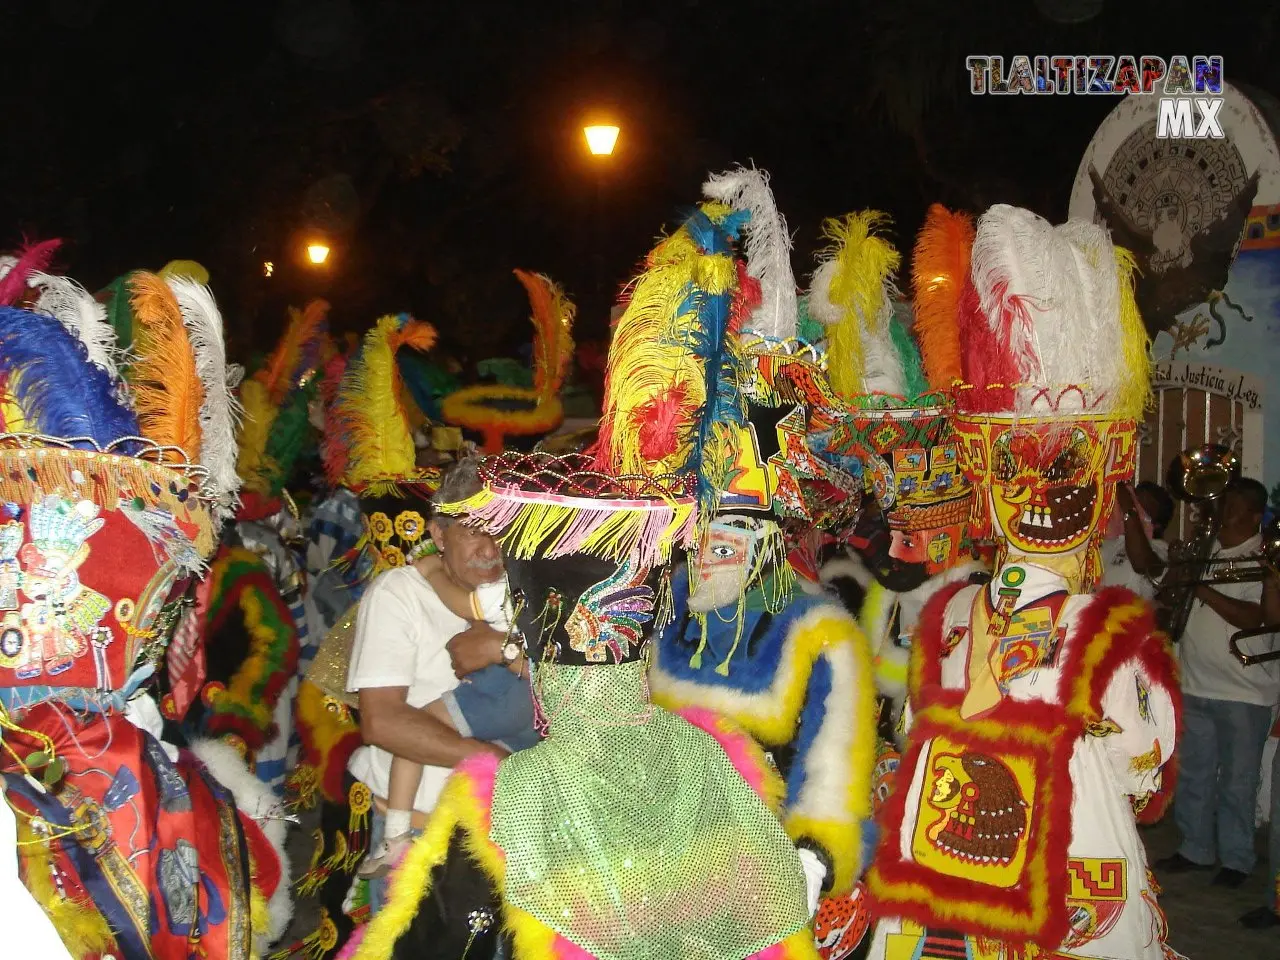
35, 258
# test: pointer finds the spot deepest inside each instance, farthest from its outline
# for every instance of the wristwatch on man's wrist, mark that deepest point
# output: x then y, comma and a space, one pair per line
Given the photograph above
511, 651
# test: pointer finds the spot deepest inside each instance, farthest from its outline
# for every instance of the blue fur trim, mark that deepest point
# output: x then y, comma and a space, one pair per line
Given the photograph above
811, 720
754, 666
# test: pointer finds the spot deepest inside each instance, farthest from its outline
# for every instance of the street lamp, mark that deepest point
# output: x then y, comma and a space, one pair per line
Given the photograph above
317, 253
601, 139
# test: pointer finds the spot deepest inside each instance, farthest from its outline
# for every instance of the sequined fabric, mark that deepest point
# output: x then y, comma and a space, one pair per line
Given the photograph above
629, 832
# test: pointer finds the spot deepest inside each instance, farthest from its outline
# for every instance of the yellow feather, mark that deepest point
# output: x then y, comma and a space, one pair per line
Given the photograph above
369, 412
1136, 397
253, 464
650, 366
82, 928
864, 263
167, 389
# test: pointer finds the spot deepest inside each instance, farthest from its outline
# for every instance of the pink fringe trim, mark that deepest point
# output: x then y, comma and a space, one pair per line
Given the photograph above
739, 748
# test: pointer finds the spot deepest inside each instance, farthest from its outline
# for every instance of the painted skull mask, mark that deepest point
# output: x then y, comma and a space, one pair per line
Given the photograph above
1050, 484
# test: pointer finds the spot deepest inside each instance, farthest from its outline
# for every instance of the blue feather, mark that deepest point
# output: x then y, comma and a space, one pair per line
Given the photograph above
709, 342
61, 392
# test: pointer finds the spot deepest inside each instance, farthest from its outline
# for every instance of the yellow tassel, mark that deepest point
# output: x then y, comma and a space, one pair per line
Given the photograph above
338, 859
315, 945
360, 800
311, 881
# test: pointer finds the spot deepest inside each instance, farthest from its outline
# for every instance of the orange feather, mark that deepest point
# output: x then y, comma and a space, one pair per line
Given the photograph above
282, 365
552, 338
940, 267
168, 391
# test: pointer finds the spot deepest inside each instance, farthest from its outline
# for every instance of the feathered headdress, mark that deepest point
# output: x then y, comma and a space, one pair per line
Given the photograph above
1048, 323
368, 416
277, 400
168, 390
299, 353
768, 249
16, 272
672, 388
219, 411
501, 410
853, 295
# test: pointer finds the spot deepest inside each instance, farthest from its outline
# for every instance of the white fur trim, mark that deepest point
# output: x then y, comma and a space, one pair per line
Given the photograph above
850, 566
257, 801
825, 790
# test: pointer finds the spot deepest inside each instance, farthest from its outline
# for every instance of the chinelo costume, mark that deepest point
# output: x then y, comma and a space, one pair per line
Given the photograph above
1041, 715
368, 449
251, 612
629, 832
894, 418
497, 411
117, 469
717, 331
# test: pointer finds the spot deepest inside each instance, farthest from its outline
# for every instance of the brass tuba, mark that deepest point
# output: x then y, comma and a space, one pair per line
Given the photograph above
1199, 475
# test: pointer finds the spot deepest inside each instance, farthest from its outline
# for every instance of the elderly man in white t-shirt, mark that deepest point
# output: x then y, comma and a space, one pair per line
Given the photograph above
400, 657
1226, 708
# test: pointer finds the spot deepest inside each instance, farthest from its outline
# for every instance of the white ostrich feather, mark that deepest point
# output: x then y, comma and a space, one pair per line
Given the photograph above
1093, 343
1052, 294
1010, 265
220, 412
768, 248
74, 307
821, 307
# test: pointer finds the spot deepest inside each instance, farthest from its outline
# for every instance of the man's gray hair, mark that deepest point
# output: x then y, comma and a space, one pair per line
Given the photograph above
461, 482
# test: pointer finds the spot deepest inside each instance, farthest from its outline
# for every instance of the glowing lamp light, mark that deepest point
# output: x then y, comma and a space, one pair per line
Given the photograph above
601, 140
317, 253
268, 268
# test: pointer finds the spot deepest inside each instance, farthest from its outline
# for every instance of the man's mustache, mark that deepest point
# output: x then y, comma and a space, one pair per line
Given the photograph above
482, 566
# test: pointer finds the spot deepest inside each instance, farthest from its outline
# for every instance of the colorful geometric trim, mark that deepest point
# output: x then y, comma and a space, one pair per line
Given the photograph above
29, 472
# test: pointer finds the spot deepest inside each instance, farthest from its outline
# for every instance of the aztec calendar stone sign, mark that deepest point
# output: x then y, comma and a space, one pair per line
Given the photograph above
1179, 204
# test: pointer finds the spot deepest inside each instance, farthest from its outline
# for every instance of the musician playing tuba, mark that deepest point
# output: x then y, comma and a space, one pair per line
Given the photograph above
1227, 706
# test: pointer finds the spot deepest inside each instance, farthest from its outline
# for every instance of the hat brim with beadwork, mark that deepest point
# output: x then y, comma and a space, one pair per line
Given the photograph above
586, 552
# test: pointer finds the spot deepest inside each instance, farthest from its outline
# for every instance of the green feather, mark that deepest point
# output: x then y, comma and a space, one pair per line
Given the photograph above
914, 382
291, 433
807, 329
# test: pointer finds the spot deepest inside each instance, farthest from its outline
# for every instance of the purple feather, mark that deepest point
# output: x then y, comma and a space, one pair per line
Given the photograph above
61, 392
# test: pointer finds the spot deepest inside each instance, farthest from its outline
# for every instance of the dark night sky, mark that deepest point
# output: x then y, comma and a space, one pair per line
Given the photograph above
440, 144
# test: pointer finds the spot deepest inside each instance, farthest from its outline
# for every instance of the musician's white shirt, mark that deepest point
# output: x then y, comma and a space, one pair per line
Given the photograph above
1208, 668
1118, 572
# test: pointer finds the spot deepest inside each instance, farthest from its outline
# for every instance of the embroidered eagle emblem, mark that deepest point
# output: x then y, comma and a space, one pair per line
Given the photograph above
610, 616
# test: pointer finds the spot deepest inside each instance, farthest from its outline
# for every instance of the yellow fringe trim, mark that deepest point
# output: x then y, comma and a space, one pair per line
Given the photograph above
107, 478
539, 524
